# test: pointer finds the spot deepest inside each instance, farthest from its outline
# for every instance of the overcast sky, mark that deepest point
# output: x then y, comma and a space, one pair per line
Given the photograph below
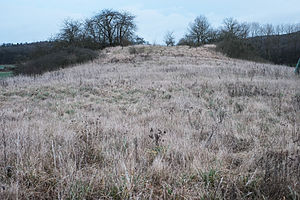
38, 20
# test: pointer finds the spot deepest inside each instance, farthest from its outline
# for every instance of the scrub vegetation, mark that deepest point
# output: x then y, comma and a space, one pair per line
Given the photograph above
151, 122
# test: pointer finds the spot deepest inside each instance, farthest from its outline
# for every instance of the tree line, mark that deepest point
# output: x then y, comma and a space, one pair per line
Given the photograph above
279, 44
252, 41
78, 39
201, 32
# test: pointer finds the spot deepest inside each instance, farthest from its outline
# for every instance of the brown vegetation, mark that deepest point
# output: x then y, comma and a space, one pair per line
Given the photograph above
154, 122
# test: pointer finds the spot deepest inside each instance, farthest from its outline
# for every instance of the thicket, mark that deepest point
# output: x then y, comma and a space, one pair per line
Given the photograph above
55, 60
40, 57
16, 53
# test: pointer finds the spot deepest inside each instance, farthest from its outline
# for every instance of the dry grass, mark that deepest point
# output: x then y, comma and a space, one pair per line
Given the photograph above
152, 123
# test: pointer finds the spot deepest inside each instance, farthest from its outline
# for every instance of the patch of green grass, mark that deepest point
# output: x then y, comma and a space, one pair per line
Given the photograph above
124, 97
6, 74
5, 71
3, 67
210, 178
9, 66
70, 112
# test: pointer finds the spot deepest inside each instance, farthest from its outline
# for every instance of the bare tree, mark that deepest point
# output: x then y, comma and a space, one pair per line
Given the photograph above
289, 28
125, 27
254, 29
112, 27
71, 31
169, 39
89, 31
230, 26
232, 29
267, 29
297, 27
244, 30
279, 29
199, 30
106, 24
213, 35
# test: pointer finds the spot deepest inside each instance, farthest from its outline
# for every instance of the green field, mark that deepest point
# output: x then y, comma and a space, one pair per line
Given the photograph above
6, 74
5, 70
7, 66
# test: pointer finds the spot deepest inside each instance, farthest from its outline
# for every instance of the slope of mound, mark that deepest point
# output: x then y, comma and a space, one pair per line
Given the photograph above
152, 122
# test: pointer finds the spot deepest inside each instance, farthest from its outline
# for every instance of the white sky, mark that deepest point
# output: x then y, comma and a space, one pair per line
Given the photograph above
37, 20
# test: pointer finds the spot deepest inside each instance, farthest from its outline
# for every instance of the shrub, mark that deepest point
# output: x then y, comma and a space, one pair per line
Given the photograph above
55, 60
136, 50
132, 50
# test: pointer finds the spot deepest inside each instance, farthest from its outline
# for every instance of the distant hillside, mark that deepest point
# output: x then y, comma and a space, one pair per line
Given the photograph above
40, 57
14, 53
279, 49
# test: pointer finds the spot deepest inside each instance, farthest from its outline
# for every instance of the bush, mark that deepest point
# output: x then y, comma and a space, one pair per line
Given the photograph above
136, 50
55, 60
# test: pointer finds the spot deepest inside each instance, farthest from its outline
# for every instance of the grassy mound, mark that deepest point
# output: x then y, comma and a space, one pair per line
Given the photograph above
154, 122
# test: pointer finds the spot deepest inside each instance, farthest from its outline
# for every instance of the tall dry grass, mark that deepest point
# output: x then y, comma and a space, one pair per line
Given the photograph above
150, 122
